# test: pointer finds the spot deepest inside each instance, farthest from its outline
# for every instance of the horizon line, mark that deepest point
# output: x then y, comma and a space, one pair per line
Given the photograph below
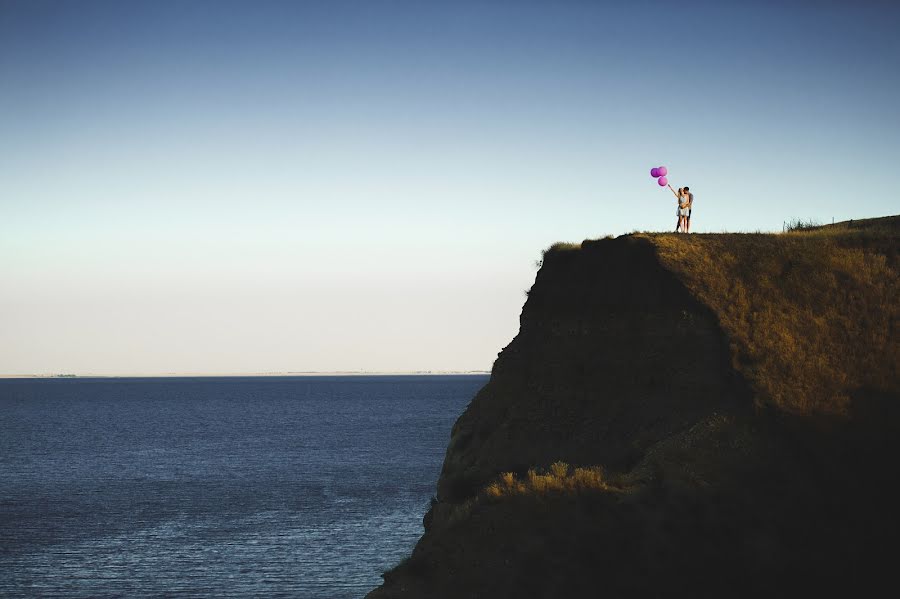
244, 374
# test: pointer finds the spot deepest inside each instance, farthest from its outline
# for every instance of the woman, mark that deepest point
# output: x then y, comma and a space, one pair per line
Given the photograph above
681, 212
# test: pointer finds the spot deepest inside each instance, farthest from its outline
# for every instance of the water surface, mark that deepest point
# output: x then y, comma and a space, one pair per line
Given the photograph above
276, 486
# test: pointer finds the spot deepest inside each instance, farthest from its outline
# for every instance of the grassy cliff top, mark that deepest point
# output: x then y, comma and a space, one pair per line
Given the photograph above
811, 314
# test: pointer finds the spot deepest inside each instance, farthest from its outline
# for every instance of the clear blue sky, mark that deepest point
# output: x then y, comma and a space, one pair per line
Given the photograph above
336, 185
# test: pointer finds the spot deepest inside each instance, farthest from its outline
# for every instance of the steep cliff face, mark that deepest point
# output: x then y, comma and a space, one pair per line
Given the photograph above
613, 355
727, 468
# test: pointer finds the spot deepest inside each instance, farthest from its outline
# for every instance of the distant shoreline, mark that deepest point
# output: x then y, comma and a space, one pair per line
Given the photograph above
176, 375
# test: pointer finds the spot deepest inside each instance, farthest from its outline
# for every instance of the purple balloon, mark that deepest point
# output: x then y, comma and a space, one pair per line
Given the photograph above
663, 171
662, 181
654, 172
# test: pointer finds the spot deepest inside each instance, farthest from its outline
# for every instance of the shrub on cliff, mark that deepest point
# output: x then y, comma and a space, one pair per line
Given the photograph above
559, 478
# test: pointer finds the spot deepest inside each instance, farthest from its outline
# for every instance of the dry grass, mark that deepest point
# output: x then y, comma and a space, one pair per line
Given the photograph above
811, 314
559, 478
562, 246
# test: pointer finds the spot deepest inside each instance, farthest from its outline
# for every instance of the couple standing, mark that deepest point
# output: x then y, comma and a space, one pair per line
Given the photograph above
685, 202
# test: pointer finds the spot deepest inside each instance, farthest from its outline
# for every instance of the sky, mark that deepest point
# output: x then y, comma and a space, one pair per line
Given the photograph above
258, 186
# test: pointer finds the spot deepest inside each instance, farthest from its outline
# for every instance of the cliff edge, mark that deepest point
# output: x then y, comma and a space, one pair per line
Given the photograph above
699, 415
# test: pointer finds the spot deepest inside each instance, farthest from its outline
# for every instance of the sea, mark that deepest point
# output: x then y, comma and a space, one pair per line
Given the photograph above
306, 487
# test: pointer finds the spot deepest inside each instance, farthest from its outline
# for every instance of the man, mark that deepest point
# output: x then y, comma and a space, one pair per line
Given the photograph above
688, 204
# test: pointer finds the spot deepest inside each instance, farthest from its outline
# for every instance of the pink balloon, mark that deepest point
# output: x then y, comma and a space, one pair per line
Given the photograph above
663, 171
662, 181
654, 172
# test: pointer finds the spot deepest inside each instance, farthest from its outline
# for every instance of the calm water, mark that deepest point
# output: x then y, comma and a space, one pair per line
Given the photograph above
288, 486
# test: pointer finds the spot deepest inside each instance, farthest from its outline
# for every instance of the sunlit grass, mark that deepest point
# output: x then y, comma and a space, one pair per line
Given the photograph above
809, 313
559, 478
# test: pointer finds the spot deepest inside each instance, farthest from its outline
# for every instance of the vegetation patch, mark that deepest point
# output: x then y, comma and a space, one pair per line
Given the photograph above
798, 224
559, 478
811, 314
562, 246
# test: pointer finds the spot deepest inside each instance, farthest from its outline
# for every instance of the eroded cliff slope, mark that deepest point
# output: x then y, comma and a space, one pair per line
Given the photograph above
721, 411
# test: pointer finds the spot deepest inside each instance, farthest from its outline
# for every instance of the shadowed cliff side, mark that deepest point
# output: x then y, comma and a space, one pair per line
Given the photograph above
722, 415
612, 356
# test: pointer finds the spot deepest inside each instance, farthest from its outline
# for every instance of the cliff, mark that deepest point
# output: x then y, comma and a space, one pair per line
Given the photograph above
700, 415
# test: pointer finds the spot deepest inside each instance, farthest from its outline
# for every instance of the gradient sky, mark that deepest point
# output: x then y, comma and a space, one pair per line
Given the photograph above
229, 187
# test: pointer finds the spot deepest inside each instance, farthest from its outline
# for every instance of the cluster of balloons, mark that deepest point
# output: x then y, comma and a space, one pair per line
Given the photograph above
659, 173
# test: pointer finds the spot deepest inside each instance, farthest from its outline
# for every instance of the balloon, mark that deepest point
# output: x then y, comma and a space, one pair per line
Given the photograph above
663, 171
663, 181
654, 172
